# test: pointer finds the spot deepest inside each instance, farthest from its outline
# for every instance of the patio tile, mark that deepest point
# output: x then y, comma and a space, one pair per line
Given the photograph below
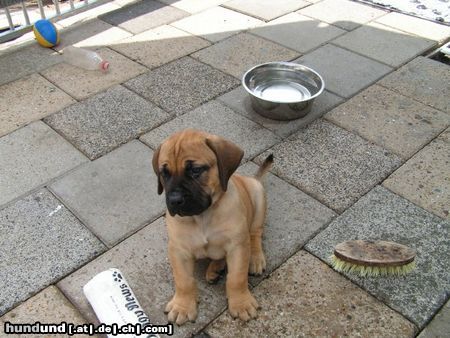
82, 83
424, 80
29, 99
390, 120
439, 326
143, 260
215, 118
158, 46
114, 195
309, 33
182, 85
306, 298
386, 44
26, 61
32, 156
48, 306
143, 15
104, 121
88, 15
424, 28
382, 215
216, 23
345, 14
193, 6
424, 179
265, 9
41, 242
336, 74
331, 164
238, 99
241, 52
293, 218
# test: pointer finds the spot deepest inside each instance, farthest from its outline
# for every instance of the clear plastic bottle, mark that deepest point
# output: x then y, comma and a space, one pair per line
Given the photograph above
84, 58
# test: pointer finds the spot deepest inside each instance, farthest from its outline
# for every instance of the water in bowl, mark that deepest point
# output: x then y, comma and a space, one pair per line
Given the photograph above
282, 91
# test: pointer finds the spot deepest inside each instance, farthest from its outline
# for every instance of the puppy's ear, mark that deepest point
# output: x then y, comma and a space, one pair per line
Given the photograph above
228, 156
155, 163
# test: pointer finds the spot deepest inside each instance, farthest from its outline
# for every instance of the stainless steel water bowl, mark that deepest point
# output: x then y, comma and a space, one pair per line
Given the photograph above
282, 90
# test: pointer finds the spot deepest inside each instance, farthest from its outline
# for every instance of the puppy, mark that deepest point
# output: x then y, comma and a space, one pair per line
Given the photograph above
211, 213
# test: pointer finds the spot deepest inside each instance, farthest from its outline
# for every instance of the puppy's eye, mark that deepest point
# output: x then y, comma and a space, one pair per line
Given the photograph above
165, 173
195, 172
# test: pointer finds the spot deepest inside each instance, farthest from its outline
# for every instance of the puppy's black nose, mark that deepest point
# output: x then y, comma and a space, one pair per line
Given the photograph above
175, 199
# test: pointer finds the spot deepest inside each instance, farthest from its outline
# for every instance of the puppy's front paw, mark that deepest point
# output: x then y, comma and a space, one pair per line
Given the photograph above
243, 307
181, 310
257, 263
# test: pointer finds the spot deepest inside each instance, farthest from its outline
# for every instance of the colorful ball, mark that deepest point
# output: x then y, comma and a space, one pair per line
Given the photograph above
46, 33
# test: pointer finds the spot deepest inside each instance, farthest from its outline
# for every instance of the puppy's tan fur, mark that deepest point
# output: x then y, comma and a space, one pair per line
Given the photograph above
229, 231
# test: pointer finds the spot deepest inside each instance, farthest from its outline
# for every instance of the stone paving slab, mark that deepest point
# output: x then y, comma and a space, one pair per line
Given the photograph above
48, 306
104, 121
309, 33
82, 83
265, 9
29, 99
41, 242
336, 74
143, 260
114, 195
216, 23
143, 16
439, 326
345, 14
424, 179
238, 99
293, 218
390, 120
26, 61
305, 298
331, 164
32, 156
424, 80
182, 85
161, 45
382, 215
410, 24
216, 118
384, 44
241, 52
88, 15
193, 6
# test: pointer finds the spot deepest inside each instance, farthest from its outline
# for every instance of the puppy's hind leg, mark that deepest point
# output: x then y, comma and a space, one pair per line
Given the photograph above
215, 270
257, 259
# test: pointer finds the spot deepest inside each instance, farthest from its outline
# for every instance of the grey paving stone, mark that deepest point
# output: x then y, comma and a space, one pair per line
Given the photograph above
305, 298
41, 242
182, 85
143, 15
265, 9
32, 156
106, 120
348, 73
439, 326
215, 118
292, 219
193, 6
241, 52
114, 195
424, 179
390, 120
384, 44
143, 260
331, 164
238, 99
422, 79
382, 215
309, 33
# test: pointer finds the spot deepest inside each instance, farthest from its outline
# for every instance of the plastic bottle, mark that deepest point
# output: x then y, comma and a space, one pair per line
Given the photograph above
84, 58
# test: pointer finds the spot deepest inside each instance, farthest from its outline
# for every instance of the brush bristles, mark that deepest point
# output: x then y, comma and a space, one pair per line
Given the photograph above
370, 271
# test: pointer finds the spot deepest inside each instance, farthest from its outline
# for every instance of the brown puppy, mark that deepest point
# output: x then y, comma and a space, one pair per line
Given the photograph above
211, 213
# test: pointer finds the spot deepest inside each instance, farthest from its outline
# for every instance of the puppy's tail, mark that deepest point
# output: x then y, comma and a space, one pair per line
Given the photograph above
265, 167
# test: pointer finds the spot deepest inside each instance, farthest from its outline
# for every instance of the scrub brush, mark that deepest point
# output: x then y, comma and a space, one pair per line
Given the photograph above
372, 259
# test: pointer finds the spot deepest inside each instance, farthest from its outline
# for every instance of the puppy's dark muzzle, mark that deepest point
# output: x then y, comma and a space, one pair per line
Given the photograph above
175, 199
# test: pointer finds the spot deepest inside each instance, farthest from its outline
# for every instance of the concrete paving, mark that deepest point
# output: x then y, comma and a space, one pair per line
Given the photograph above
78, 194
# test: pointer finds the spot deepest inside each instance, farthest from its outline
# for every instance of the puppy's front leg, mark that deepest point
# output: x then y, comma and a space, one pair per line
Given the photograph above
183, 306
241, 303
